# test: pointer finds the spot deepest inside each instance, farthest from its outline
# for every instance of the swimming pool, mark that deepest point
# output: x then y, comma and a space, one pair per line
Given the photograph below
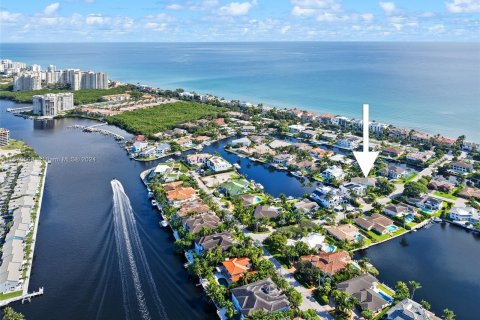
408, 219
329, 248
392, 228
257, 199
358, 237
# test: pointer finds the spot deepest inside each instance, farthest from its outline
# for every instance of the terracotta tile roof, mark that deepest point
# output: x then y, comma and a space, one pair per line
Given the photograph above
330, 263
192, 207
236, 267
326, 115
320, 152
181, 194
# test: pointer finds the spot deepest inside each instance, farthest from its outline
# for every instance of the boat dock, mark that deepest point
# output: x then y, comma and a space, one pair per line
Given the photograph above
102, 131
24, 297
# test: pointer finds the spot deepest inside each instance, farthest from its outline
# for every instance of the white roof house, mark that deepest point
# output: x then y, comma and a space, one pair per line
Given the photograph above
467, 214
314, 240
333, 173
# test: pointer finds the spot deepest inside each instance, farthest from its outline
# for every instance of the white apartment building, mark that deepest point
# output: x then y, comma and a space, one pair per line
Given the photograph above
27, 81
4, 136
52, 104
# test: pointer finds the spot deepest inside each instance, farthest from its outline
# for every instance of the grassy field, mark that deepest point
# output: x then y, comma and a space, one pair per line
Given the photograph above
149, 121
445, 195
79, 96
9, 295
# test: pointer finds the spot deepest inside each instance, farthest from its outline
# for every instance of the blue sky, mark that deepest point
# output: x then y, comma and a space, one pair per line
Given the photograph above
239, 20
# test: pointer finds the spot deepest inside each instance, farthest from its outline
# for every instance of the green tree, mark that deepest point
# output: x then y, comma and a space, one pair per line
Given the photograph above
344, 303
448, 314
401, 291
367, 314
276, 242
10, 314
414, 286
414, 189
425, 304
294, 297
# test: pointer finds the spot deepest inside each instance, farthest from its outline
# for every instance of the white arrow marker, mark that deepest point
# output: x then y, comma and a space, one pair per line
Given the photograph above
366, 158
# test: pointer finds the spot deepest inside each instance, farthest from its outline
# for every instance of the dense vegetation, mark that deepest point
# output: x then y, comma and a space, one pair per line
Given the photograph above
149, 121
80, 96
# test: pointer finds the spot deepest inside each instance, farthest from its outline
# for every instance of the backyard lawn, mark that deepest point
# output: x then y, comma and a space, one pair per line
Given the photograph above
445, 195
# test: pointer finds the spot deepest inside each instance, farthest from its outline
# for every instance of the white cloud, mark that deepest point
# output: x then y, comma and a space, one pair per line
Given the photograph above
51, 8
174, 6
388, 7
463, 6
237, 8
438, 28
285, 29
6, 16
95, 19
156, 26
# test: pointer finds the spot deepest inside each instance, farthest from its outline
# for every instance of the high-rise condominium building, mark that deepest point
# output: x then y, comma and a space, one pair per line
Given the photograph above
27, 81
52, 104
4, 137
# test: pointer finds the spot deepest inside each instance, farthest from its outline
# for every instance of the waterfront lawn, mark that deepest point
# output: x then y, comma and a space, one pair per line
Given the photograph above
149, 121
445, 195
80, 96
5, 296
382, 237
385, 289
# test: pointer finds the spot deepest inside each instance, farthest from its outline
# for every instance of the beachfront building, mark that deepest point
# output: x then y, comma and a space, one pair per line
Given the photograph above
262, 295
27, 81
4, 137
52, 104
218, 164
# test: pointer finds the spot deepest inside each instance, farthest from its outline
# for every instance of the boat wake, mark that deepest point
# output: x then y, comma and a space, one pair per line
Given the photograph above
132, 259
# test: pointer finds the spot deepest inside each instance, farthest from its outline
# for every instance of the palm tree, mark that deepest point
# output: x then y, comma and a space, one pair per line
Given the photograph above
344, 303
414, 285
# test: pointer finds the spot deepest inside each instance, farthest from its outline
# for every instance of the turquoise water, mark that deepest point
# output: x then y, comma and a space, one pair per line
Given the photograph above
392, 228
433, 87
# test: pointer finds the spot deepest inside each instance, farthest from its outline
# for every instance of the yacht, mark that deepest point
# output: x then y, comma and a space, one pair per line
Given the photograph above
154, 203
236, 165
164, 223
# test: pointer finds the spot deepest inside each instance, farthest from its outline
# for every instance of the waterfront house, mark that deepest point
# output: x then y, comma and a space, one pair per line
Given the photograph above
172, 185
308, 134
283, 159
420, 137
138, 146
224, 240
393, 152
295, 128
276, 144
398, 133
263, 150
197, 223
306, 206
326, 118
180, 132
377, 127
234, 269
350, 143
245, 142
399, 210
376, 222
185, 142
218, 164
444, 141
295, 112
350, 188
181, 194
329, 263
198, 158
247, 129
364, 288
408, 309
148, 152
249, 199
262, 295
265, 211
192, 207
10, 273
163, 149
464, 214
219, 121
461, 167
333, 173
341, 121
234, 187
344, 232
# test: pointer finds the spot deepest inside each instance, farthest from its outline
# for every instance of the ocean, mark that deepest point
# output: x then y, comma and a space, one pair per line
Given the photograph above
433, 87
